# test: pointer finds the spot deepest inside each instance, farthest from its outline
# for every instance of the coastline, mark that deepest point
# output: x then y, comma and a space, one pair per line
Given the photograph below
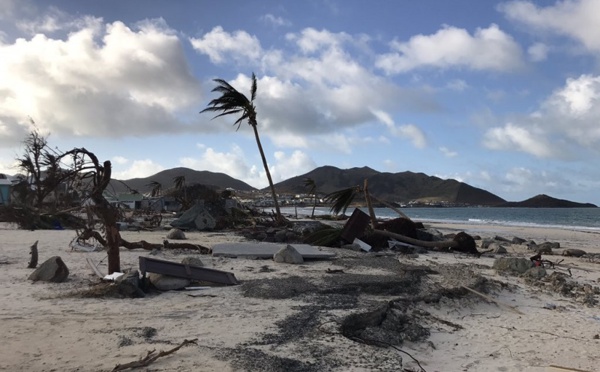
45, 330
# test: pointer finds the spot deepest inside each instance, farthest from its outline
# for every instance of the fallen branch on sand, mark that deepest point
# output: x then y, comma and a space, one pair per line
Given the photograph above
89, 233
511, 308
151, 357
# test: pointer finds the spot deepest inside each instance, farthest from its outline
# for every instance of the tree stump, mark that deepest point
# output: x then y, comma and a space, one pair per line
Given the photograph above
34, 256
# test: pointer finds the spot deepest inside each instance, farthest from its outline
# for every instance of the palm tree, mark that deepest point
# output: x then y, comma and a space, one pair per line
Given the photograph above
180, 185
156, 188
234, 102
312, 190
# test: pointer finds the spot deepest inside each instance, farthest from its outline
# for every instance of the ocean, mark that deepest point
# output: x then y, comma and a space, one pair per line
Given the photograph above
586, 219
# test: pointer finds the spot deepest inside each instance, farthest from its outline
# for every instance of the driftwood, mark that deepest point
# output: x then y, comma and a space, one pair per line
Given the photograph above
89, 233
34, 256
511, 308
417, 242
151, 357
559, 368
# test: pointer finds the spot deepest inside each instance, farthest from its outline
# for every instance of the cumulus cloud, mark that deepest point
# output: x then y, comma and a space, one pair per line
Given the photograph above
107, 80
138, 169
237, 164
538, 52
317, 87
512, 137
487, 49
409, 131
577, 19
220, 45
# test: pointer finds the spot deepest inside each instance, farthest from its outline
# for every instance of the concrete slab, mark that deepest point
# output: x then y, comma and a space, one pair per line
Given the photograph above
267, 250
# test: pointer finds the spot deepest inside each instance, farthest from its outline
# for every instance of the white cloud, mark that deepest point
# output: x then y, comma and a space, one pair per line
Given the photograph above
237, 164
488, 49
138, 169
101, 80
447, 152
408, 131
538, 52
220, 46
577, 19
512, 137
120, 160
275, 21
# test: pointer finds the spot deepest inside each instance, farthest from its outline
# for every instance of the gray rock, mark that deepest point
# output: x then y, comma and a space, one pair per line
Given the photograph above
543, 248
485, 243
192, 261
166, 282
52, 270
512, 264
289, 255
536, 272
176, 234
573, 252
501, 239
129, 285
517, 240
497, 248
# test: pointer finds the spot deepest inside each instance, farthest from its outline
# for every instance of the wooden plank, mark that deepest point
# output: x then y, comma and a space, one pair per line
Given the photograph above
564, 369
191, 272
511, 308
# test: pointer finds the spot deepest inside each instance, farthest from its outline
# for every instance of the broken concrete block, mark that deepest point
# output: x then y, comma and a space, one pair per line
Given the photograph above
512, 264
175, 234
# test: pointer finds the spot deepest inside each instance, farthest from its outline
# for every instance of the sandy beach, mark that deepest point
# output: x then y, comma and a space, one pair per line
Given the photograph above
286, 317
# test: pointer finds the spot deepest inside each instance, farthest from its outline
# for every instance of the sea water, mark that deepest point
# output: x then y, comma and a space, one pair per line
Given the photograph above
560, 218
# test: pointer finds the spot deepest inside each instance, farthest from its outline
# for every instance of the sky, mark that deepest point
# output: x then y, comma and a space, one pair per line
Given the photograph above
501, 95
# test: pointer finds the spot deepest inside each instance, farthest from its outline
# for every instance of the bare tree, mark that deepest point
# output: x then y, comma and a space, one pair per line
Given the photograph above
312, 190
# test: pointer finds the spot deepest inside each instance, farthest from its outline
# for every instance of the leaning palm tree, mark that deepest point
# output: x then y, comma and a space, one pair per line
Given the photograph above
155, 188
234, 102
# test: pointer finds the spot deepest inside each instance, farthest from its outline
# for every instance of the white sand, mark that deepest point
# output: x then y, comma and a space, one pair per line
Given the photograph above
43, 332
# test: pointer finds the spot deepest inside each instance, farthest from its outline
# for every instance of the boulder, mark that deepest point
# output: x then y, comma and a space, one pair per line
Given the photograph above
512, 264
175, 234
129, 285
497, 248
166, 282
517, 240
52, 270
466, 243
543, 248
485, 243
288, 254
192, 261
573, 252
536, 272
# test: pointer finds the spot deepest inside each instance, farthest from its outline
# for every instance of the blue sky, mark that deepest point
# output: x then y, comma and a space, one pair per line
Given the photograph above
501, 95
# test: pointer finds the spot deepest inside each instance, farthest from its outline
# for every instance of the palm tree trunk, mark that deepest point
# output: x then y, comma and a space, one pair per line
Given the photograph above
266, 166
370, 205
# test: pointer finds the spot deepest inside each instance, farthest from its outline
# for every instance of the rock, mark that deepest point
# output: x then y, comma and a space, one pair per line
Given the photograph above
192, 261
176, 234
573, 252
466, 243
517, 240
512, 264
166, 282
497, 248
52, 270
536, 272
129, 285
530, 244
544, 248
485, 243
501, 239
289, 255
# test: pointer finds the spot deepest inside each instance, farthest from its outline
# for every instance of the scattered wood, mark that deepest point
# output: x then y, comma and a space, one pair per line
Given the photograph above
511, 308
151, 357
417, 242
334, 271
34, 256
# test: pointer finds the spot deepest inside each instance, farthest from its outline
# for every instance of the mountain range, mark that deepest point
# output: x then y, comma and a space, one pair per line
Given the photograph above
402, 188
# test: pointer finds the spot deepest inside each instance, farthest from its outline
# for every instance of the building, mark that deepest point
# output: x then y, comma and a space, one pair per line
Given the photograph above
5, 185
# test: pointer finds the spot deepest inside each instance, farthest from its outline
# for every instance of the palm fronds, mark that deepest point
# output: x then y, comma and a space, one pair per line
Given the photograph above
340, 200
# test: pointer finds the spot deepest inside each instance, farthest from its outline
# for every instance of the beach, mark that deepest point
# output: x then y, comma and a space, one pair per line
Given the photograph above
285, 317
